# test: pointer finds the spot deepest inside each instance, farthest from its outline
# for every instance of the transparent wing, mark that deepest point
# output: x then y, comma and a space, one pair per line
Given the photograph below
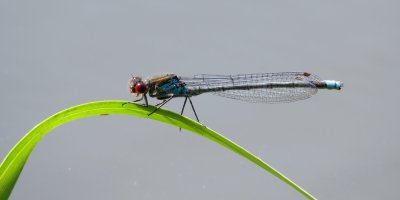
272, 95
240, 86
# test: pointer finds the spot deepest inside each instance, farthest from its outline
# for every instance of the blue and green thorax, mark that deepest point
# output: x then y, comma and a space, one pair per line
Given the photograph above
167, 88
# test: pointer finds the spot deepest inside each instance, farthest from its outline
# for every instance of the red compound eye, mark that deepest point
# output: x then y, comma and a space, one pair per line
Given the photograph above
140, 88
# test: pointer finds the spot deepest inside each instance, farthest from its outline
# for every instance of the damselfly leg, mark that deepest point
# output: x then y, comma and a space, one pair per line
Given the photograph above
191, 103
183, 108
146, 103
159, 105
195, 114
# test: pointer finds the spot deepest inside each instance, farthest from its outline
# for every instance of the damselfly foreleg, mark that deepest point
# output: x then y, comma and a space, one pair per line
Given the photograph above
146, 103
143, 96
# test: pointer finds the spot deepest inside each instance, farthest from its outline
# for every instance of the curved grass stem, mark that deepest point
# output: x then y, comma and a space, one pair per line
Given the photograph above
14, 162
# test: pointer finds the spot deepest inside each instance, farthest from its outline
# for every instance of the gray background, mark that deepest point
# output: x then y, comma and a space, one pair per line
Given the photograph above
337, 145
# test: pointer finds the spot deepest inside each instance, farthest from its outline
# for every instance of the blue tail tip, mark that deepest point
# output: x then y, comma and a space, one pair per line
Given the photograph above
332, 84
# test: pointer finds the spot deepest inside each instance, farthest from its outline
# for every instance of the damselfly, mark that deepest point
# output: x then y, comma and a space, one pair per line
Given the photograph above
262, 87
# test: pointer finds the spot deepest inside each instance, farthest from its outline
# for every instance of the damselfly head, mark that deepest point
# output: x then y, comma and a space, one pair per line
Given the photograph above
137, 86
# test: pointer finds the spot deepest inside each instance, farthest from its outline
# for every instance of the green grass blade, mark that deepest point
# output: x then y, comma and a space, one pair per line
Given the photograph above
14, 162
